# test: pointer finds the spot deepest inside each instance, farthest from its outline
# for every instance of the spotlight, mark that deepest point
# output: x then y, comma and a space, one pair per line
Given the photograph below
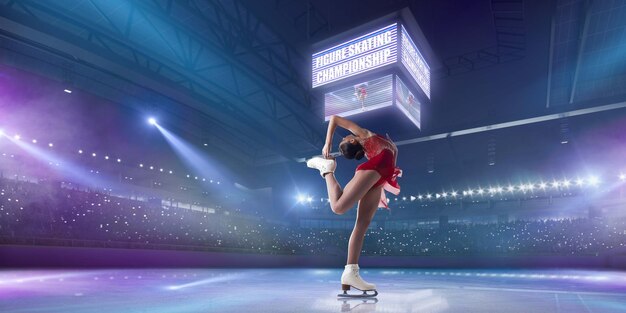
106, 157
480, 191
555, 184
579, 182
152, 121
140, 164
151, 167
428, 196
420, 197
566, 183
543, 185
413, 198
171, 172
1, 132
510, 188
34, 140
50, 145
454, 193
119, 160
17, 137
309, 199
80, 151
93, 154
622, 177
593, 180
499, 189
301, 198
67, 91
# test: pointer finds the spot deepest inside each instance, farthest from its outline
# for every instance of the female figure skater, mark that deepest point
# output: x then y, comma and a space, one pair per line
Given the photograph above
368, 186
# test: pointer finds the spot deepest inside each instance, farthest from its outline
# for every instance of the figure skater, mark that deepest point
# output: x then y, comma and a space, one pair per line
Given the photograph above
368, 186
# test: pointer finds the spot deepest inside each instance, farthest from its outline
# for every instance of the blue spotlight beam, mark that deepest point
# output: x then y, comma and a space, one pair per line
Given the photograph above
66, 168
192, 157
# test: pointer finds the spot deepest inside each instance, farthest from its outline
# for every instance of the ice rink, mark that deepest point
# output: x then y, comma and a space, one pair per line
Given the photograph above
309, 290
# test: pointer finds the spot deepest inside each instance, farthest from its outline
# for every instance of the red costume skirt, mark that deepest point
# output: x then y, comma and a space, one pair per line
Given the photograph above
384, 164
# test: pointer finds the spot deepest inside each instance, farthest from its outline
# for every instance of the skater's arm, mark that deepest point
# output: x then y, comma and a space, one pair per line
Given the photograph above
343, 123
346, 124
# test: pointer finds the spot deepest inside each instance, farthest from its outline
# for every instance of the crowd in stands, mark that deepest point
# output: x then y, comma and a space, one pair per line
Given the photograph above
32, 210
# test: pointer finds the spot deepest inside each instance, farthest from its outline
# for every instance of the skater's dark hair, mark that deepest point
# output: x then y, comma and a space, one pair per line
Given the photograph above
351, 151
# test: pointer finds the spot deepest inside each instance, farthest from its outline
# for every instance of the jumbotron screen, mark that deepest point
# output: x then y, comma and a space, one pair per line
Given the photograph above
356, 56
408, 103
359, 98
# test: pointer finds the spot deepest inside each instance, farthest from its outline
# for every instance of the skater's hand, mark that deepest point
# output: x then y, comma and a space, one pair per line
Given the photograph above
326, 151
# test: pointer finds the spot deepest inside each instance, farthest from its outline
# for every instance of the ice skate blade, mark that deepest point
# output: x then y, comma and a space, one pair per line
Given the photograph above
345, 294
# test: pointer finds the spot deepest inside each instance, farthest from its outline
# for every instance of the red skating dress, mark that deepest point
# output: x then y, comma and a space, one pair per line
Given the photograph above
381, 155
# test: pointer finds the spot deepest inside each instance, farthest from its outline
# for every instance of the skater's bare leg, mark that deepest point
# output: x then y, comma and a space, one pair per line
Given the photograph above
342, 200
365, 213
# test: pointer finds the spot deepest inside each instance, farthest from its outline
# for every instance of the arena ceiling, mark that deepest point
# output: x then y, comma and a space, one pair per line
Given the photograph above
235, 73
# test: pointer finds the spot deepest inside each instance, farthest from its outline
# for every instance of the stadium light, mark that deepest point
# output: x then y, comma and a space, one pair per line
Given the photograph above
17, 137
428, 196
579, 182
454, 193
301, 198
34, 140
152, 121
511, 188
622, 177
543, 185
566, 183
1, 132
593, 180
309, 199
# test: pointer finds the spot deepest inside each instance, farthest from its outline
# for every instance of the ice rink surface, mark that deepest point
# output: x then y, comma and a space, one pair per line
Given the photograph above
309, 290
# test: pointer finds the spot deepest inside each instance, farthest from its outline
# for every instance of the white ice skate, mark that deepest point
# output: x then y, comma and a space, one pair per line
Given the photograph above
323, 165
351, 278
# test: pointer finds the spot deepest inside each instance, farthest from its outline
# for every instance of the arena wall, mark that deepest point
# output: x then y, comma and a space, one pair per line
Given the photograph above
18, 256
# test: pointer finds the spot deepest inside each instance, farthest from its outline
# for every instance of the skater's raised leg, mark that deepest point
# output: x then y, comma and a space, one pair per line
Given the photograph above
342, 200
